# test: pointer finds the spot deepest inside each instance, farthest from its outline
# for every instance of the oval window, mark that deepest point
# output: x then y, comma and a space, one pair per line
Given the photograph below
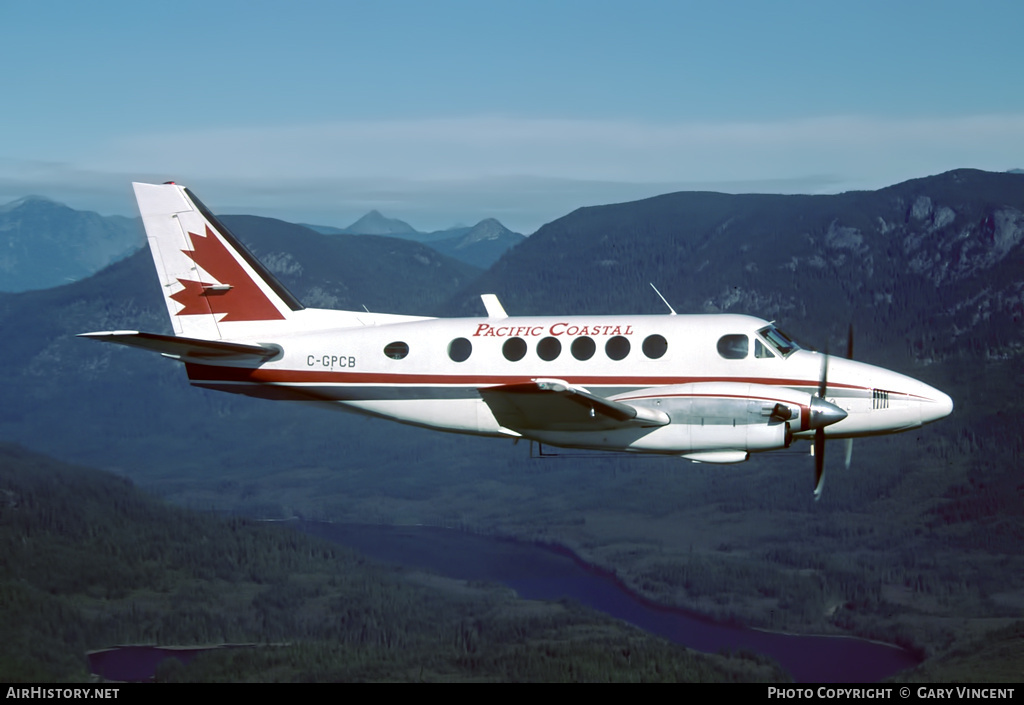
549, 348
514, 349
617, 348
396, 350
583, 348
733, 347
460, 349
655, 346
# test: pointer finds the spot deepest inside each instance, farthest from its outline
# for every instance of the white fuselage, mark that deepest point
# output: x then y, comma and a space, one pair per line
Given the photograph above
429, 372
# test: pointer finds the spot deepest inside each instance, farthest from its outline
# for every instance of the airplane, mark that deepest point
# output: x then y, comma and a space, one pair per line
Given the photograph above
710, 388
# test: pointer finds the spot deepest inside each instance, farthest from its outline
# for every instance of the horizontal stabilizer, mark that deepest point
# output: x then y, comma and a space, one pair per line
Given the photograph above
186, 349
553, 404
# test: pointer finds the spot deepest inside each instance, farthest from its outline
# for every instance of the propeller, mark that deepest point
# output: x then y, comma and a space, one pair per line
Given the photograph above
829, 415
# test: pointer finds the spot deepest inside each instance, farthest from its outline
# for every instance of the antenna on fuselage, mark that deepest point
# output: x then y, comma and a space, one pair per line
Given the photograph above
672, 311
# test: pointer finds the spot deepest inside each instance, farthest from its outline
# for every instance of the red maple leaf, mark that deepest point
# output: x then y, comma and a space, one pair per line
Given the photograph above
244, 301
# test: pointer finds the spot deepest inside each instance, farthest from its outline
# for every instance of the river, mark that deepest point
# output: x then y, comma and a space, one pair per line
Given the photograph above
541, 572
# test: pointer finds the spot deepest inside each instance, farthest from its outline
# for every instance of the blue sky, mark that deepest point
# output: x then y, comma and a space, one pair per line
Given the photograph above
446, 112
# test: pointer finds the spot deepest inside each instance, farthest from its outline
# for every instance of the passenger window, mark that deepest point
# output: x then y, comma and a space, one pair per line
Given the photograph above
549, 348
460, 349
583, 348
617, 348
514, 349
396, 350
655, 346
733, 347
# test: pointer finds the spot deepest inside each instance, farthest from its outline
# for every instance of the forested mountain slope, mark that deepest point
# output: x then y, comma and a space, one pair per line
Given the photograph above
89, 562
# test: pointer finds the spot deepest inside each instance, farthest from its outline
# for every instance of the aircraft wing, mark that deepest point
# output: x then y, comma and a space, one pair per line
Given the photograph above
556, 405
186, 349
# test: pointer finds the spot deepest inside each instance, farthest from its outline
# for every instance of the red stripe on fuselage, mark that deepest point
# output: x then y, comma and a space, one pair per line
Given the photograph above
258, 375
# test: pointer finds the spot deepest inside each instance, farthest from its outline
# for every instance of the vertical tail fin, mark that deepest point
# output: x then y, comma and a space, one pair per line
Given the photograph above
209, 279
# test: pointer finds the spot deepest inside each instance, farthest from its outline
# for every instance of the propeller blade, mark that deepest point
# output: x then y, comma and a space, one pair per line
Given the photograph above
819, 462
823, 376
849, 452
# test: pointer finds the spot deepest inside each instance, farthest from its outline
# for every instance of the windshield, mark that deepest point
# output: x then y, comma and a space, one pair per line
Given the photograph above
778, 340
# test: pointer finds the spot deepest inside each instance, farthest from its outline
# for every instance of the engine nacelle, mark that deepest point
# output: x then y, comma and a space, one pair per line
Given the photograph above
707, 421
723, 416
731, 404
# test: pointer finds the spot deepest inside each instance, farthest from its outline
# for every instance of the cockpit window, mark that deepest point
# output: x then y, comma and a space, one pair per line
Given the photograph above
778, 340
733, 347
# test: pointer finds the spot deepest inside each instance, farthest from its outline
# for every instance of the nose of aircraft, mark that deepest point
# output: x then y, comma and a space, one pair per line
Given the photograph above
937, 405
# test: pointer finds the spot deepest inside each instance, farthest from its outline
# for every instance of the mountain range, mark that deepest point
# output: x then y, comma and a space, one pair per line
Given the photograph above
45, 244
929, 268
350, 271
480, 245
